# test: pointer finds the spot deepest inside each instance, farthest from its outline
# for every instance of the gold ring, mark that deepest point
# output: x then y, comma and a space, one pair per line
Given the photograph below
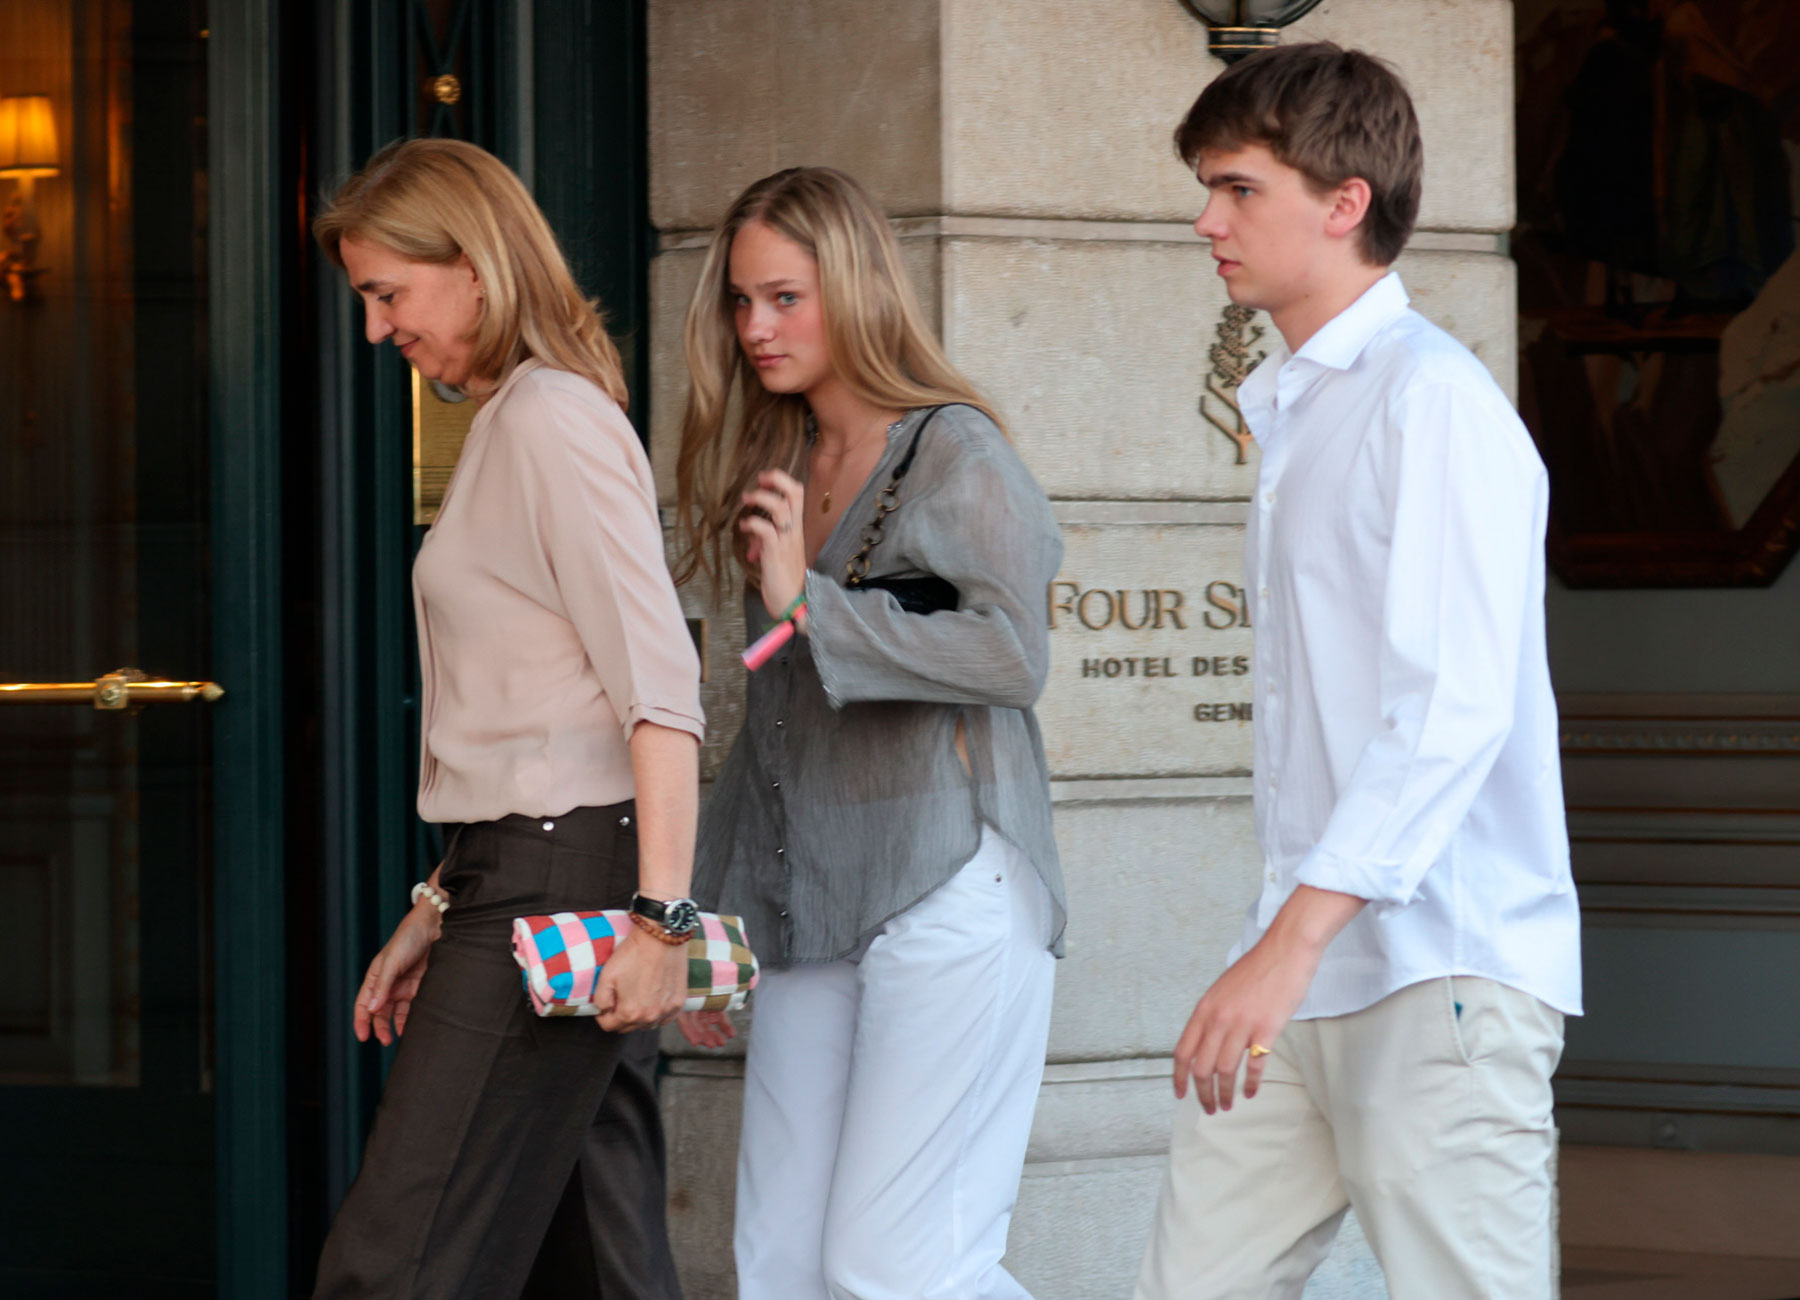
1257, 1049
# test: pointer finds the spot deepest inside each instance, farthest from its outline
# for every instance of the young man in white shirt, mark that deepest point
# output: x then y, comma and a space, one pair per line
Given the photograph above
1395, 1006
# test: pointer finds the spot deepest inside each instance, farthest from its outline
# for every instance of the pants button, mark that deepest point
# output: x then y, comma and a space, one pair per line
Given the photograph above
624, 821
549, 826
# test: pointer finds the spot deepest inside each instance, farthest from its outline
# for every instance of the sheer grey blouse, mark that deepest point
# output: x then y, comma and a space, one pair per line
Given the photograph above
843, 801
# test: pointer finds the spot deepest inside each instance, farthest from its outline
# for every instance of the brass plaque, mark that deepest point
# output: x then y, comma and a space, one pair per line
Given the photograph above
439, 427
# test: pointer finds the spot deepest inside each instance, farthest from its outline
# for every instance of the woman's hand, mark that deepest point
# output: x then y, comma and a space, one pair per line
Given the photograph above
643, 983
706, 1028
386, 997
777, 540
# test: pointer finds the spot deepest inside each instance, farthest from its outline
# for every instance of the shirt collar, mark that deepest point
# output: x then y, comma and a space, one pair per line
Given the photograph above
1342, 339
524, 368
1257, 392
1337, 345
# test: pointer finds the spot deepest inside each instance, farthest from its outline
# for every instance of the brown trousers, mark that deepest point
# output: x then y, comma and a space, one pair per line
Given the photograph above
511, 1156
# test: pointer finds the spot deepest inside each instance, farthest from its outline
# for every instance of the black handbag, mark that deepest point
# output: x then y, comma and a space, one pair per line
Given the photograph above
921, 594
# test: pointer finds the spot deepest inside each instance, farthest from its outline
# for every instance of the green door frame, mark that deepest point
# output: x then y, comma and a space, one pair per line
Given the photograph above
246, 303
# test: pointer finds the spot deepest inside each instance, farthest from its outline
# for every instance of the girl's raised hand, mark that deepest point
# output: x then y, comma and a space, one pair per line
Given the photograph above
772, 515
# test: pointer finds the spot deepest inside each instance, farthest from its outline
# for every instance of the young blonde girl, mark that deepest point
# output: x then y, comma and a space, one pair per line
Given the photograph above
883, 819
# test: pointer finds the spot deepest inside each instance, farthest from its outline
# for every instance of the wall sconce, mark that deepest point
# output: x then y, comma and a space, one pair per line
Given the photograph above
27, 151
1240, 27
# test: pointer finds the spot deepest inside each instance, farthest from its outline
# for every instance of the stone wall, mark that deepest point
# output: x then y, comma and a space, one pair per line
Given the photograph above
1023, 148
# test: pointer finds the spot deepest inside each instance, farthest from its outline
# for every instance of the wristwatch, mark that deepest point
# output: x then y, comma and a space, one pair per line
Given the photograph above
677, 916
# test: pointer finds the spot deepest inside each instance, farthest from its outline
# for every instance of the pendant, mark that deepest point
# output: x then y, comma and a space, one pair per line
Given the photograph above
825, 504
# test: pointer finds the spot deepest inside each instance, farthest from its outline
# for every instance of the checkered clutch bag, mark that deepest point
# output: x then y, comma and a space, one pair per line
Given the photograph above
562, 955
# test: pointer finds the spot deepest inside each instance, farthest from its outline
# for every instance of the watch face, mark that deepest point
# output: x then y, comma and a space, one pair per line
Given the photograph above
681, 916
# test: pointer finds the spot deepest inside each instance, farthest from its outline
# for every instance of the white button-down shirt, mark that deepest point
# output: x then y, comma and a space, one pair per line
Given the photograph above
1406, 733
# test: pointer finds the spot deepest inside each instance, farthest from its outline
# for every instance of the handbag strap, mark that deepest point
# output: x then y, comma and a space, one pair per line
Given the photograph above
886, 501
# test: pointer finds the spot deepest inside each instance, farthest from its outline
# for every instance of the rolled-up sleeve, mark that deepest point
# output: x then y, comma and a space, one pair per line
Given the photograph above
981, 522
1468, 517
598, 525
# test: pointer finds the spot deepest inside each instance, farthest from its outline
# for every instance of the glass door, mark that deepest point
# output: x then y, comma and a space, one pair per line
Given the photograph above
106, 1040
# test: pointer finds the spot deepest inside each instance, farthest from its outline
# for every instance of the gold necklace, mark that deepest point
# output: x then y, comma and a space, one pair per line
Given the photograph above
825, 502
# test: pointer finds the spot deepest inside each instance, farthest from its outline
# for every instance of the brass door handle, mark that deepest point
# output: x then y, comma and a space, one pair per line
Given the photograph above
128, 688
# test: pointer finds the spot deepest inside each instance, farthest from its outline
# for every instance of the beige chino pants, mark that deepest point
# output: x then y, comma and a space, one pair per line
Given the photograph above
1434, 1124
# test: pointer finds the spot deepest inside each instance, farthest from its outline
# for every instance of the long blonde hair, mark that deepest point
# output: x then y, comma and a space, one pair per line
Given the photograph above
880, 346
437, 200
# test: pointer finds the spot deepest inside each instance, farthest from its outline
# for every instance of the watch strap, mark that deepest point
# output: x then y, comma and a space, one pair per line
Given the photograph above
676, 915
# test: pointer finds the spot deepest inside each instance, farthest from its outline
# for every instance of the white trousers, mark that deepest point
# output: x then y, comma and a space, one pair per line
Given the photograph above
1434, 1123
888, 1099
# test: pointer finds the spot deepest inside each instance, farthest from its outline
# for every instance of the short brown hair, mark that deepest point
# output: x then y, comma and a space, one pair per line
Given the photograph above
1330, 114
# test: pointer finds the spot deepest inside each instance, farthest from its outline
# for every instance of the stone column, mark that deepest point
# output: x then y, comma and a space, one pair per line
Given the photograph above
1022, 147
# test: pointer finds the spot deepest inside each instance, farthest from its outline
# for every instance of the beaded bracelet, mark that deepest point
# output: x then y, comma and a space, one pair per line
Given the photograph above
655, 931
769, 642
437, 900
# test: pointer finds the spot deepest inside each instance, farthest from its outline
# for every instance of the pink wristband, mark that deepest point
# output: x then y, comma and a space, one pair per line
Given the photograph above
764, 647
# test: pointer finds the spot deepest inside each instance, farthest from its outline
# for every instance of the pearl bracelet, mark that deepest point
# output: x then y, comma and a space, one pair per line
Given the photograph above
436, 899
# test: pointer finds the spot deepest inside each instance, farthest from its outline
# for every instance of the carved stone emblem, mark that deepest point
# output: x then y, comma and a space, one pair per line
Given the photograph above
1231, 362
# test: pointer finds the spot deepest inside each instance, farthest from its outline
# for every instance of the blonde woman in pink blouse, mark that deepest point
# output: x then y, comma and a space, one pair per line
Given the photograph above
561, 717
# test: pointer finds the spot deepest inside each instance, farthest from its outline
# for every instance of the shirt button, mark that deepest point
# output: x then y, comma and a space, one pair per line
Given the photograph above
774, 785
1268, 498
780, 723
782, 913
781, 853
1261, 591
1271, 877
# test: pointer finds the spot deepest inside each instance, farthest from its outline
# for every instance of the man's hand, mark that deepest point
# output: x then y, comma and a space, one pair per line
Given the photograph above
1251, 1003
643, 983
385, 999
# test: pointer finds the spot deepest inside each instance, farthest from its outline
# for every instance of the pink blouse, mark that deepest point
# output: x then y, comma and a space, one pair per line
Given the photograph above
548, 624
